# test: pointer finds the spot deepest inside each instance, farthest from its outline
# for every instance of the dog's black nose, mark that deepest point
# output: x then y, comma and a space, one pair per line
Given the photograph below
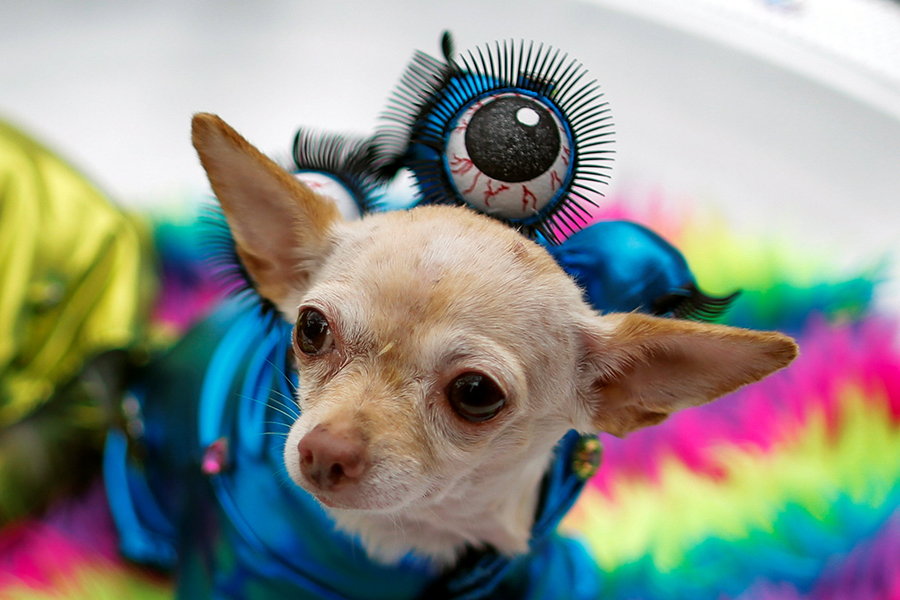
332, 457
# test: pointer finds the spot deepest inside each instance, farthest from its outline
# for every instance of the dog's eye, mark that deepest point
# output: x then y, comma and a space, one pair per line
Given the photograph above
312, 333
475, 397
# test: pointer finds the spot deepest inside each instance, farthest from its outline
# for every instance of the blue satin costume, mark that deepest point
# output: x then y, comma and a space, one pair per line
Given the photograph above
249, 533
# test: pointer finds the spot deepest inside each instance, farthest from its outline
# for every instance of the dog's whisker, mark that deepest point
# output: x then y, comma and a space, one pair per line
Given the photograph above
284, 433
291, 411
273, 405
399, 524
289, 401
284, 479
284, 375
278, 393
287, 414
286, 401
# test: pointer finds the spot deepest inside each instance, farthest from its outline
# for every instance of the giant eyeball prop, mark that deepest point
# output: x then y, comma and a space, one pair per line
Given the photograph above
513, 131
508, 156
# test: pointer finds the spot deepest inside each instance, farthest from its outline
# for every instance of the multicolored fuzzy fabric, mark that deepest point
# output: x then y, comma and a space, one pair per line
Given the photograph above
788, 489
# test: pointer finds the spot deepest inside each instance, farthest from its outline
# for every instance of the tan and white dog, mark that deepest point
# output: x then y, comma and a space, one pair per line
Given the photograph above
442, 356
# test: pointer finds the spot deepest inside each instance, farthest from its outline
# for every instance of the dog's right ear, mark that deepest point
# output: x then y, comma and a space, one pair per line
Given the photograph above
280, 227
636, 369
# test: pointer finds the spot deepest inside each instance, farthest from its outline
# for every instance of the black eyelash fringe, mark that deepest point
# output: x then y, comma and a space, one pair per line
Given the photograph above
693, 305
220, 253
415, 94
431, 93
343, 157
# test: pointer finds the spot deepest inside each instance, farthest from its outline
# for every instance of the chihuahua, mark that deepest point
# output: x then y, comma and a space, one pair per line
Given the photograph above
442, 356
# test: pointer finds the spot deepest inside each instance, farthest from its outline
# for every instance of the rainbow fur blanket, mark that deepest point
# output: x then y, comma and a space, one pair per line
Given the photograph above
786, 490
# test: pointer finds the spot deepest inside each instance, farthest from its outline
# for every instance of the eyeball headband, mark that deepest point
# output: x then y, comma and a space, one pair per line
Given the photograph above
513, 131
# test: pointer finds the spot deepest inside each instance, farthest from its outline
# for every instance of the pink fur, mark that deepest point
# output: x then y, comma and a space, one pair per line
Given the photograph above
835, 356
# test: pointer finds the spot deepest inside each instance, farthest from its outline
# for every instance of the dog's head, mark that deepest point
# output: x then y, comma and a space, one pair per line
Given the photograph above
442, 355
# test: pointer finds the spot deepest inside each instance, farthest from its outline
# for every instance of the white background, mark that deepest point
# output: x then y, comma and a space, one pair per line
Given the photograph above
782, 115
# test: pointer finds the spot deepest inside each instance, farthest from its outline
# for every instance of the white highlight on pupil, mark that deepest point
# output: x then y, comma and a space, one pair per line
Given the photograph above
528, 116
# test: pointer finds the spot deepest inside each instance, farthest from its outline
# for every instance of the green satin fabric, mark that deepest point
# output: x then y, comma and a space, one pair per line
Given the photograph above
76, 275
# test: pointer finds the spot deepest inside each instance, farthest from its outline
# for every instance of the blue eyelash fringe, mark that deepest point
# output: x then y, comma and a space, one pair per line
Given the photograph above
431, 93
220, 254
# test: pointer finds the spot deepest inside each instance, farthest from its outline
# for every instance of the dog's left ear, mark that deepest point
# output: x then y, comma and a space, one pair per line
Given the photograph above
636, 370
281, 228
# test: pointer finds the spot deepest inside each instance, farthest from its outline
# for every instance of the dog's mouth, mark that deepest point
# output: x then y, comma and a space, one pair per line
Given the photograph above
325, 499
378, 493
356, 499
342, 496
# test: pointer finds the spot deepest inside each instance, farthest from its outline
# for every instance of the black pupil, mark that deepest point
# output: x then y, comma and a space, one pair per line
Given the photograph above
475, 396
312, 331
513, 139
